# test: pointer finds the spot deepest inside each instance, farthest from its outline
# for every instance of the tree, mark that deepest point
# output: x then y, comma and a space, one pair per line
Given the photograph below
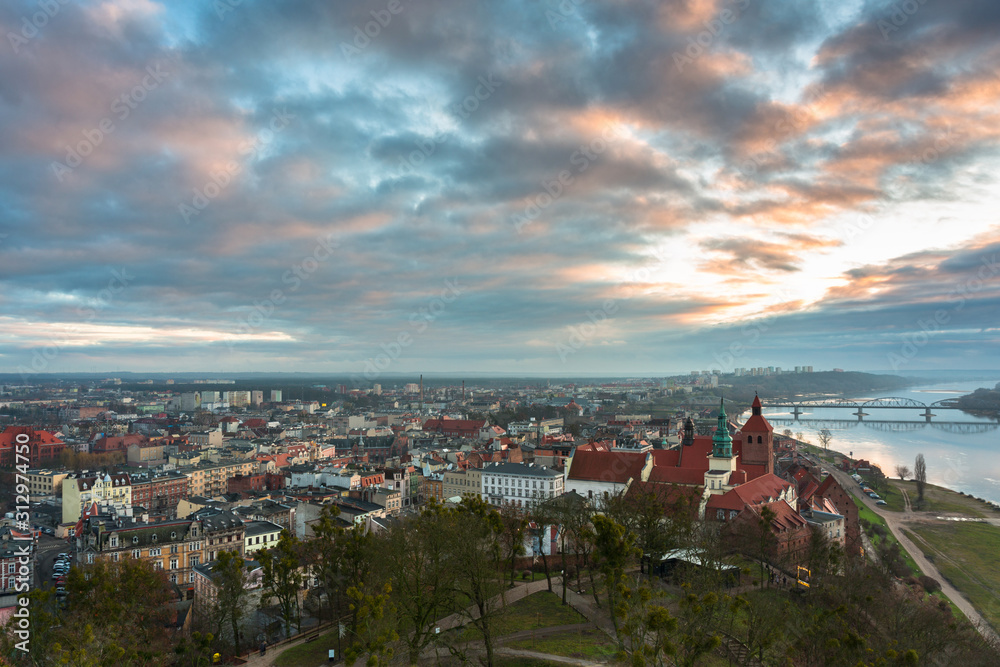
787, 433
614, 547
282, 579
825, 437
232, 592
476, 559
325, 551
541, 515
920, 476
116, 613
512, 536
376, 631
414, 555
902, 472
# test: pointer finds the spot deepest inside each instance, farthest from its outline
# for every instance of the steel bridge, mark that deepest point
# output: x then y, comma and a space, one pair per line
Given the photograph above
885, 425
885, 403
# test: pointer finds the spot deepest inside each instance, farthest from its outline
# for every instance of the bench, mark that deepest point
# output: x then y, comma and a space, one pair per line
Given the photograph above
312, 637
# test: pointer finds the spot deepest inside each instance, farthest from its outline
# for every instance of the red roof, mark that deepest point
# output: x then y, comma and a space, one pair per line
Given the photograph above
757, 423
601, 466
7, 438
674, 475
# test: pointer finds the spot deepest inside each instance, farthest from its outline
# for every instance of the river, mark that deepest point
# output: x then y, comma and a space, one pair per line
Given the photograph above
962, 461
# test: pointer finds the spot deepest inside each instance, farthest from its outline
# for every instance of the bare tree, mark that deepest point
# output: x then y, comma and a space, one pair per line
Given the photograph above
824, 438
920, 476
902, 472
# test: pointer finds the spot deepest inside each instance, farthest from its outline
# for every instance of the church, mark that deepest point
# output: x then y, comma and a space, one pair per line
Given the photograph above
722, 475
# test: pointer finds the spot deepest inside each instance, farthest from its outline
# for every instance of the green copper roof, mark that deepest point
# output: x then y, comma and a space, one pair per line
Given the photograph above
722, 444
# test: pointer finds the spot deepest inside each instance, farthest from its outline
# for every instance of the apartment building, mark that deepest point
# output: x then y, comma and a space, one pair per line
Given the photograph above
81, 490
211, 479
520, 484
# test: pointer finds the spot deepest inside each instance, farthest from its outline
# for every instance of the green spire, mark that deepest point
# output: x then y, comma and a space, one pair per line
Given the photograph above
722, 444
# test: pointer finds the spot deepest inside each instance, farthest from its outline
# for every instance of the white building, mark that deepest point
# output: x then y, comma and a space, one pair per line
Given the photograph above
520, 484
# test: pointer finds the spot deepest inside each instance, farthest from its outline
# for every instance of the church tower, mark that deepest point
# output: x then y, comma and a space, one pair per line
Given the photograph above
722, 463
757, 439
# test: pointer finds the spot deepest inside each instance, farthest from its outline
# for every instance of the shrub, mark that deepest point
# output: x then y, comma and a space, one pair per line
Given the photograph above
930, 584
526, 575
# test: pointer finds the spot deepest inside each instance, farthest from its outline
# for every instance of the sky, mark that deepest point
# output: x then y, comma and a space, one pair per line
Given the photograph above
568, 187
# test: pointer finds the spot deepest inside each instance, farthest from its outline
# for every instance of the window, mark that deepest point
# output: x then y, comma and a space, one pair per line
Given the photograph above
114, 541
114, 557
749, 439
760, 440
720, 515
136, 553
173, 578
173, 563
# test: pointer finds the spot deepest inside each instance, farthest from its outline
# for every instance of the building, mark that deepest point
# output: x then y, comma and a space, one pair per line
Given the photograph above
520, 484
276, 396
106, 490
458, 428
456, 483
45, 483
17, 550
211, 438
159, 492
173, 546
29, 446
206, 592
110, 444
256, 397
224, 530
260, 535
146, 454
212, 479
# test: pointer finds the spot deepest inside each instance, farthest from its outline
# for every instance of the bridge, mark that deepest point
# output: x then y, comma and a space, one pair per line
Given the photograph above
885, 425
885, 403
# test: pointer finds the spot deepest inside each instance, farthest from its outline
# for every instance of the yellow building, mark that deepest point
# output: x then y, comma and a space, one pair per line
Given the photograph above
43, 483
80, 491
459, 482
210, 479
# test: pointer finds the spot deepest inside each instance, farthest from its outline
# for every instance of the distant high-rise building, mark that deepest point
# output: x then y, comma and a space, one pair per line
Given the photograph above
256, 397
276, 396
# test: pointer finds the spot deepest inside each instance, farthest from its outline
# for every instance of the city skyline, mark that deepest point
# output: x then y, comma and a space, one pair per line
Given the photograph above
541, 188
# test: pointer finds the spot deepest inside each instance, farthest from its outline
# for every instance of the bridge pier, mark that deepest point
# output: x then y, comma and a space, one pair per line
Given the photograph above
860, 414
796, 412
927, 414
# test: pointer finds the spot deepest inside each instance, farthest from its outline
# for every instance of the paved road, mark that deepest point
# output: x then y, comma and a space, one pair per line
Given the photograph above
45, 555
896, 521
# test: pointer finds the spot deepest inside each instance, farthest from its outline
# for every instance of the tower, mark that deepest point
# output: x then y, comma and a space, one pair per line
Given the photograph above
721, 463
757, 439
722, 443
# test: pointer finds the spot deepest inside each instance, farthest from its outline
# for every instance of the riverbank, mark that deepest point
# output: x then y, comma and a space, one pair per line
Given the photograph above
968, 556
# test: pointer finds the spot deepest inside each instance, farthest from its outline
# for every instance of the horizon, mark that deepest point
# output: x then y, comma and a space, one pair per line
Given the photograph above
534, 189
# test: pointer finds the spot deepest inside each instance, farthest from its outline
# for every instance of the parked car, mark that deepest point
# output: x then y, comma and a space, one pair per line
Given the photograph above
881, 502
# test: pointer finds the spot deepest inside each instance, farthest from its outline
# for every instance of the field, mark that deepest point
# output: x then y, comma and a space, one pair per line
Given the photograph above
311, 653
968, 554
938, 500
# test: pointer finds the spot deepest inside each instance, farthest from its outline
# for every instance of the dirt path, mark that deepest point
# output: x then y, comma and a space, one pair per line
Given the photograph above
896, 522
907, 507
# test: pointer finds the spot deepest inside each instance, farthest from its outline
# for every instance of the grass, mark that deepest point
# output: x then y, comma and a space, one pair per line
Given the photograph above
966, 554
538, 610
310, 653
865, 513
939, 500
589, 643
